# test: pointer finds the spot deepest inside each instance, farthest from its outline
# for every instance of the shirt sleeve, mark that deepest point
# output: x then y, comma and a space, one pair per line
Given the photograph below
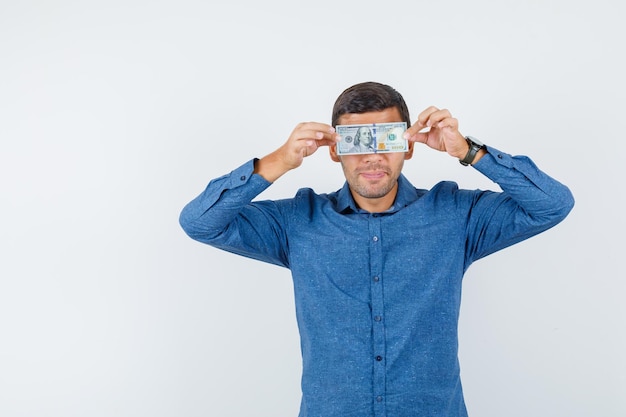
531, 202
225, 217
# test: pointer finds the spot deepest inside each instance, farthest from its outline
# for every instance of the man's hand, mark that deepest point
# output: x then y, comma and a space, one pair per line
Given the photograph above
305, 139
443, 135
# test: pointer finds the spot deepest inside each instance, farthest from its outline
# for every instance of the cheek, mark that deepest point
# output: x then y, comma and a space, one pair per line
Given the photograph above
348, 162
348, 165
396, 161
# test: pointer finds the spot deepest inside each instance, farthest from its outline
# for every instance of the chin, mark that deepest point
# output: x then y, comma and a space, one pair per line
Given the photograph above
378, 192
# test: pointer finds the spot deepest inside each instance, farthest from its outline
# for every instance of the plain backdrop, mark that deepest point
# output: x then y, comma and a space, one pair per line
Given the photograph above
114, 114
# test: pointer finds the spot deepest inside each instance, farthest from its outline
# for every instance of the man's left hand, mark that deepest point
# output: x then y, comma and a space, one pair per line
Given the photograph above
443, 135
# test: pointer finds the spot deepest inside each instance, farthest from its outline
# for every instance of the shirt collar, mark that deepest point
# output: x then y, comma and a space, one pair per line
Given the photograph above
406, 195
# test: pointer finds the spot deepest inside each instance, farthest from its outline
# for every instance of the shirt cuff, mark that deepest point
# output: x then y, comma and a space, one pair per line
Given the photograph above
501, 167
245, 175
492, 156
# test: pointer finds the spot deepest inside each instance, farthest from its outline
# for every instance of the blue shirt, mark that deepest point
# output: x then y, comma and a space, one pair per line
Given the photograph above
378, 294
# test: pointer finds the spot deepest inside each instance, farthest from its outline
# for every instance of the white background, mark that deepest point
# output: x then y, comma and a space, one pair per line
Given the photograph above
114, 114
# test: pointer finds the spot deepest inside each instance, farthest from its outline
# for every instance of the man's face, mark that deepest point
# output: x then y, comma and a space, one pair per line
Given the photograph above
373, 178
365, 136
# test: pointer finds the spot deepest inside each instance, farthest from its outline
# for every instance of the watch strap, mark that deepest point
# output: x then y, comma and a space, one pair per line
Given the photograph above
471, 153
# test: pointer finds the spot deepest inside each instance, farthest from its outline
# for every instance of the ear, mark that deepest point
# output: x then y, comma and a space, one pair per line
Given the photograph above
332, 150
409, 154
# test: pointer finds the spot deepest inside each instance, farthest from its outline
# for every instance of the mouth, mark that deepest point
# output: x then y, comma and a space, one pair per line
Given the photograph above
373, 175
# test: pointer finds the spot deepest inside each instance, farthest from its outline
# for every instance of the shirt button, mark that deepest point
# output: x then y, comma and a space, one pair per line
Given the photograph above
242, 178
379, 399
379, 358
376, 279
375, 238
378, 318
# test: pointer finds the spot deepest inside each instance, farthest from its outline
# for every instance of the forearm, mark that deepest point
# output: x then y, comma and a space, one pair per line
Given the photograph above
271, 167
534, 191
214, 209
531, 202
304, 141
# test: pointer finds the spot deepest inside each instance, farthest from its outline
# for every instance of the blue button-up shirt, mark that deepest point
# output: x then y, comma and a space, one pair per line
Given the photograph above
378, 294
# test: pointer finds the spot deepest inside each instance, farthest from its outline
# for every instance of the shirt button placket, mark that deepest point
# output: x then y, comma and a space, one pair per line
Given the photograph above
378, 327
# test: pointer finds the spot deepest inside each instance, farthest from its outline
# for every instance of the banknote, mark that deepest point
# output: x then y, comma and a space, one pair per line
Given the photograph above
373, 138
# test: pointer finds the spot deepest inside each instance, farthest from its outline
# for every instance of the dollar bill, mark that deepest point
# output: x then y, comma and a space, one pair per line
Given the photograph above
372, 138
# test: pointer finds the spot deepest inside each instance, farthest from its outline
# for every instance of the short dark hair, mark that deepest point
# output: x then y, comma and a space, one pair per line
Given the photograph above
369, 96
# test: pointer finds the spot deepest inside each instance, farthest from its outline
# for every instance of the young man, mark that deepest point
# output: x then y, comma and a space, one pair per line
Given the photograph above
377, 266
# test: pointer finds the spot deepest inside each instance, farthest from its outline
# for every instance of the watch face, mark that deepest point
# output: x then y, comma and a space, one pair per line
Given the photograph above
476, 141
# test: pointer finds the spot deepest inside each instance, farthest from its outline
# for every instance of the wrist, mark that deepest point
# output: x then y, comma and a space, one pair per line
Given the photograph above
482, 152
270, 167
476, 150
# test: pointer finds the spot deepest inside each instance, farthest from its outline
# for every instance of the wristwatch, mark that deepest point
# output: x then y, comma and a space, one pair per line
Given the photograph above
474, 146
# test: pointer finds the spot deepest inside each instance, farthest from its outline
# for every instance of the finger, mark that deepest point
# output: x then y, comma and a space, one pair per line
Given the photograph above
438, 116
312, 130
330, 137
306, 147
326, 142
416, 129
311, 136
421, 137
424, 116
315, 126
420, 126
448, 122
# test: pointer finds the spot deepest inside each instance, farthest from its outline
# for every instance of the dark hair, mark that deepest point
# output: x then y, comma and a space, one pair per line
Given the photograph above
367, 97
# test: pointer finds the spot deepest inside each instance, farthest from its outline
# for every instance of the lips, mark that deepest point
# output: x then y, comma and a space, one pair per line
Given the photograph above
373, 175
373, 172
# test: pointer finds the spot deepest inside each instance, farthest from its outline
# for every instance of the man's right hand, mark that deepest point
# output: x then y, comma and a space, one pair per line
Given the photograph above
305, 139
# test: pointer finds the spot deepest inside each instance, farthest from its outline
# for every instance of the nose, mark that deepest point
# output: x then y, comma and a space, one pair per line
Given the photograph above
371, 157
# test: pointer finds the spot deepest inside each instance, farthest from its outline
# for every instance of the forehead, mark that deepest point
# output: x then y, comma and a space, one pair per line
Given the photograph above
389, 115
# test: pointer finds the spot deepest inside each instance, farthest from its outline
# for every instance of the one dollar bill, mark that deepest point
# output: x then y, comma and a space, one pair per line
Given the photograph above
372, 138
